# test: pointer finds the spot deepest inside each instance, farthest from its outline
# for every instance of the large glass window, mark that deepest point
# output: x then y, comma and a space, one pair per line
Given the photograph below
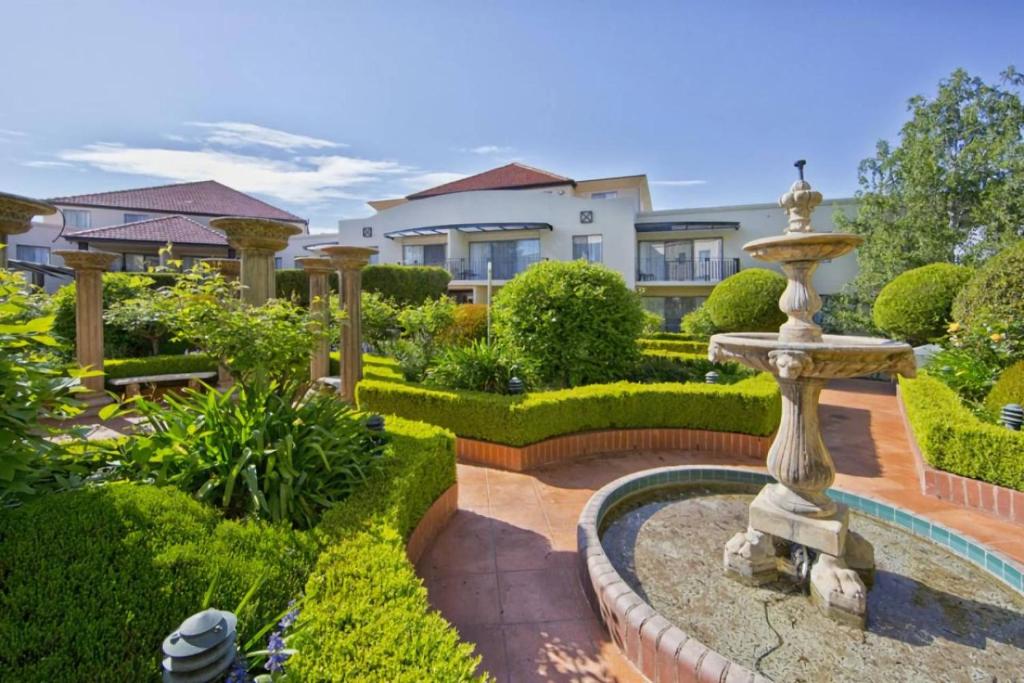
612, 194
140, 263
508, 258
672, 308
25, 252
77, 219
136, 217
587, 247
682, 260
423, 254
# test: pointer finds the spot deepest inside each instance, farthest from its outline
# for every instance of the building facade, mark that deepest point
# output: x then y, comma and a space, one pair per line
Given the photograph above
515, 216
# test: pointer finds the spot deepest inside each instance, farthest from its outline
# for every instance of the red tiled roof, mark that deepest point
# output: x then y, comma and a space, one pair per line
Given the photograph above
508, 177
206, 198
173, 229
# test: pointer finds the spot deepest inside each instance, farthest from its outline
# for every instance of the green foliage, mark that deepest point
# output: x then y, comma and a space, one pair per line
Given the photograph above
476, 366
1009, 388
915, 306
119, 368
673, 344
571, 322
951, 190
34, 384
261, 450
470, 324
973, 357
747, 302
423, 330
406, 285
953, 439
698, 323
379, 317
92, 580
996, 292
652, 322
366, 615
292, 284
750, 406
674, 366
676, 336
148, 316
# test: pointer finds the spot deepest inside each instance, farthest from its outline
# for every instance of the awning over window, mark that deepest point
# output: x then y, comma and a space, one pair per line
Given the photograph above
466, 227
684, 226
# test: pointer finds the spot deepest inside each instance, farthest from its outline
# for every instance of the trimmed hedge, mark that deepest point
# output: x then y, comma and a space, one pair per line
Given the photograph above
915, 306
119, 368
953, 439
407, 285
996, 291
374, 367
676, 336
366, 614
92, 580
1009, 388
747, 302
750, 406
678, 346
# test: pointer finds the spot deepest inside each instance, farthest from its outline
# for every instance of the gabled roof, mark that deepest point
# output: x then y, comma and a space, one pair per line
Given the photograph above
509, 177
203, 198
173, 229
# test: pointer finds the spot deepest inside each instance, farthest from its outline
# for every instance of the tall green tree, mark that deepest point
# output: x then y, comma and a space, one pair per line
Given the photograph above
951, 190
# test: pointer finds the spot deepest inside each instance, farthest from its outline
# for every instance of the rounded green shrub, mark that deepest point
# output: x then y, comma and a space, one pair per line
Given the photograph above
1009, 388
698, 323
92, 580
995, 292
747, 302
916, 305
569, 322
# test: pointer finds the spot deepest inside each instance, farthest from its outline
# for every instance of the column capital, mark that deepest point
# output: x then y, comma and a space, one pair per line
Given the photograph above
16, 213
87, 260
251, 234
349, 258
316, 265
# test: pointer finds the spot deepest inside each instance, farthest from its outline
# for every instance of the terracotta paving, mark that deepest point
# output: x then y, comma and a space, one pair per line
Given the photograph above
503, 571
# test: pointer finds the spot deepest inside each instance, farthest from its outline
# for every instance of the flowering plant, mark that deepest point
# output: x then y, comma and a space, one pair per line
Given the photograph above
273, 657
973, 356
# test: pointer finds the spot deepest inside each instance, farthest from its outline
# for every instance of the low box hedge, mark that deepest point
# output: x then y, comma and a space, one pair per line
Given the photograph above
119, 368
751, 406
676, 336
406, 285
676, 345
366, 614
374, 367
953, 439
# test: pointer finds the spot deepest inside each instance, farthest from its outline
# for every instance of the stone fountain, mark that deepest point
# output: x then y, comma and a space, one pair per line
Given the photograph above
794, 527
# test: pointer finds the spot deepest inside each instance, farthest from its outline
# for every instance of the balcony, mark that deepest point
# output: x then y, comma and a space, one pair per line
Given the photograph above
685, 270
470, 269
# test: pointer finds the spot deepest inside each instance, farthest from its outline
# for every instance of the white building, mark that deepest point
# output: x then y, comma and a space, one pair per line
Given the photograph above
516, 215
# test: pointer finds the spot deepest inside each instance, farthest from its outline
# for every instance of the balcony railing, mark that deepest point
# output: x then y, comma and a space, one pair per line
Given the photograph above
476, 269
684, 270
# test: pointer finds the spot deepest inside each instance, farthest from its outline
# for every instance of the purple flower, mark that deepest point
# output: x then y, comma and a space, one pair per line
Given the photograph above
288, 619
237, 673
277, 658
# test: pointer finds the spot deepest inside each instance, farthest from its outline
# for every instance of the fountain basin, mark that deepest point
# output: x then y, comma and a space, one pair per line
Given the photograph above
940, 599
833, 357
803, 246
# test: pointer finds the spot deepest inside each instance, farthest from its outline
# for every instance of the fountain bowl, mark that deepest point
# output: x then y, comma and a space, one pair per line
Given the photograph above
803, 246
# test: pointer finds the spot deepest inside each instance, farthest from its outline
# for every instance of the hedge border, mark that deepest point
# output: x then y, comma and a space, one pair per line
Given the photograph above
119, 368
674, 345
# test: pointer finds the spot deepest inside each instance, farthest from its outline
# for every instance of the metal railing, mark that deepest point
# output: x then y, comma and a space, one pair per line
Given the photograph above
501, 268
686, 270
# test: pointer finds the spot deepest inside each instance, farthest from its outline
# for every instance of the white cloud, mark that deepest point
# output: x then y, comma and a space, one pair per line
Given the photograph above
174, 137
237, 134
8, 135
424, 181
47, 164
301, 180
486, 150
679, 183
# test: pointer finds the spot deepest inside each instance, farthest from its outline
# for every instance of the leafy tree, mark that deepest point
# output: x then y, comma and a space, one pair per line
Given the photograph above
148, 316
951, 190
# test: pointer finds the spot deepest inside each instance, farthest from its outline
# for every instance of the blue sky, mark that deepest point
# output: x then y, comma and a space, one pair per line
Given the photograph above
318, 106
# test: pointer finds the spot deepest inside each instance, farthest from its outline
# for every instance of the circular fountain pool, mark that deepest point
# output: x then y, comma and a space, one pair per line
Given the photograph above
934, 613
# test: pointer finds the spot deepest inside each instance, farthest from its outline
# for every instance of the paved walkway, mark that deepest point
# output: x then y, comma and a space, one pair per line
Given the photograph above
503, 572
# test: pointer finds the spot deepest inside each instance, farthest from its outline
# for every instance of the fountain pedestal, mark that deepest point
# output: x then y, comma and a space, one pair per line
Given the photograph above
794, 527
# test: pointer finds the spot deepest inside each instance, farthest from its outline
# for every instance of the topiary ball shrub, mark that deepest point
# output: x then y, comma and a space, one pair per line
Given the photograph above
747, 302
995, 292
569, 322
916, 306
1009, 388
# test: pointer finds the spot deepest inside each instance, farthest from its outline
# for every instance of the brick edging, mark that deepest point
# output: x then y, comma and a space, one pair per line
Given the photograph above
432, 523
999, 501
570, 446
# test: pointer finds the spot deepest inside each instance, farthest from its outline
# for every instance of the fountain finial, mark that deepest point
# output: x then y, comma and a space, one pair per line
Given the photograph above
799, 202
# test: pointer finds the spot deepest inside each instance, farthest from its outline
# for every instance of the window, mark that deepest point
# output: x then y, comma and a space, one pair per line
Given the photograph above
508, 258
135, 217
278, 263
423, 254
140, 263
683, 260
612, 194
77, 219
672, 308
32, 254
587, 247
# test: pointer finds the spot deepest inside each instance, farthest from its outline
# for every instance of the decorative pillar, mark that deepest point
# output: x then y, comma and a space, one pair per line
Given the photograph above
16, 214
257, 240
89, 267
319, 270
229, 268
350, 261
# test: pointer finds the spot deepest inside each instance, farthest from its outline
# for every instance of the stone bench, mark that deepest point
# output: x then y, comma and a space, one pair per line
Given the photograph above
133, 385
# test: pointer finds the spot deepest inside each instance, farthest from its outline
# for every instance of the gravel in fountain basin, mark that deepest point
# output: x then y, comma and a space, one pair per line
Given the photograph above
932, 616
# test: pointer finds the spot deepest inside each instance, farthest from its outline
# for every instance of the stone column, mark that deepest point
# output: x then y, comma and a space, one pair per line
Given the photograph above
89, 267
16, 214
350, 261
319, 270
229, 268
257, 240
